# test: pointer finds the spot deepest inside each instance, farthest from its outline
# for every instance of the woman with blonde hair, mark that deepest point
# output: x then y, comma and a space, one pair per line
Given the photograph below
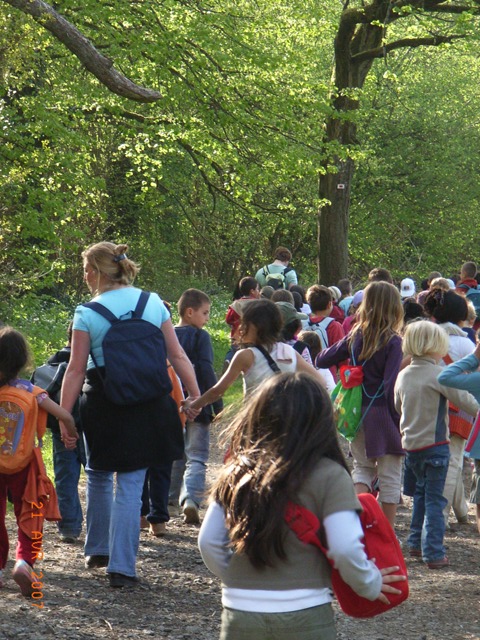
120, 439
375, 343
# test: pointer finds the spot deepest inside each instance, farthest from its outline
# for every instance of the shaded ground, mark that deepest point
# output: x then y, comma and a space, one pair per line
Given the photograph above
179, 599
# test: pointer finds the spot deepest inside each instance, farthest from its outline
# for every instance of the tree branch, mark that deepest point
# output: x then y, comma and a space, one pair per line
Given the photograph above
411, 43
100, 66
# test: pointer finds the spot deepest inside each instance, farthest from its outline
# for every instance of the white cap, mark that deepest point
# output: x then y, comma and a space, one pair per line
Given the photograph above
407, 288
336, 293
451, 283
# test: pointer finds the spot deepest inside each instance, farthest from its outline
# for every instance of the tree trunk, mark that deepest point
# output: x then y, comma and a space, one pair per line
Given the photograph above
333, 221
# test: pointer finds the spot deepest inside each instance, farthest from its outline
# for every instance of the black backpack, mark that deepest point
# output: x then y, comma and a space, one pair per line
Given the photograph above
135, 357
49, 376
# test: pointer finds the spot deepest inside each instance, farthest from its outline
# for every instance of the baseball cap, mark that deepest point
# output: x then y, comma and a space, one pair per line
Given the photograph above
289, 313
336, 293
407, 288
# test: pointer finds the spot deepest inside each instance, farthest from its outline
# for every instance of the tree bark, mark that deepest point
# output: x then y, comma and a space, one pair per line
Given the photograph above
100, 66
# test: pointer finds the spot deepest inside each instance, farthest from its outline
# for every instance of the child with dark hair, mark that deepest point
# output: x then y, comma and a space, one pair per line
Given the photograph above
292, 324
67, 463
321, 302
283, 446
297, 301
346, 297
14, 357
261, 355
248, 290
305, 308
412, 310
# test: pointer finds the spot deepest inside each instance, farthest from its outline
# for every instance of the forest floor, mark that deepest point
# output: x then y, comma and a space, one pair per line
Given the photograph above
178, 599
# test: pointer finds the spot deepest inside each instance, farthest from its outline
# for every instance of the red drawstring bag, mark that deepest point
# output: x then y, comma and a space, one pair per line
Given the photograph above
380, 543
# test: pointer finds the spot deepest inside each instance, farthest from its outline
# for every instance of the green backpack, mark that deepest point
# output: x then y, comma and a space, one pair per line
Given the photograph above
347, 400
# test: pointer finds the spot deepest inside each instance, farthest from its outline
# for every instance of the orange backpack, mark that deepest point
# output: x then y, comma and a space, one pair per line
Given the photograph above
21, 419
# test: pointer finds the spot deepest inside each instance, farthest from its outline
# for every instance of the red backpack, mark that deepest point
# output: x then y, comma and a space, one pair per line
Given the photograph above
380, 543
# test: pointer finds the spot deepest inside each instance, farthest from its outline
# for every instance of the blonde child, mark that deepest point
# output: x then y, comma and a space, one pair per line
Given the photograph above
422, 402
14, 357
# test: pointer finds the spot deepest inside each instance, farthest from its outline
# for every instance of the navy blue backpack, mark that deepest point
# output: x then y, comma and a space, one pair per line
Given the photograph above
135, 357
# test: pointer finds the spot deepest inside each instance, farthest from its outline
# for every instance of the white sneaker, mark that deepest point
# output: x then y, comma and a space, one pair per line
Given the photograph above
190, 512
22, 574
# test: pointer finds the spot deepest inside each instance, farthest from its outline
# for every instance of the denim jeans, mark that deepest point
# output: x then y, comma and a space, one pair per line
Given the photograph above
66, 467
113, 517
427, 527
155, 493
197, 444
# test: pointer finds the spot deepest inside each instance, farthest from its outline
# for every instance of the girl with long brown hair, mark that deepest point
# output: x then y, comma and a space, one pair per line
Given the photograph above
284, 447
375, 343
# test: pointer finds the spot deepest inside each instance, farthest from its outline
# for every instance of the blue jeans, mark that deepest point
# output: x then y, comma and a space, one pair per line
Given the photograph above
67, 466
113, 517
427, 528
197, 445
155, 493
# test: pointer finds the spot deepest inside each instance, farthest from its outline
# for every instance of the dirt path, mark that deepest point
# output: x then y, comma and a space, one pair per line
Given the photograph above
180, 599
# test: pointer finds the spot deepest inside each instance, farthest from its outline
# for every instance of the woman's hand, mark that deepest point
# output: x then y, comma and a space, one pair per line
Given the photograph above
69, 434
188, 410
387, 579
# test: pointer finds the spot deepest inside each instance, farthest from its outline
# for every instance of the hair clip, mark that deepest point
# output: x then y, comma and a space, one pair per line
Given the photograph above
122, 256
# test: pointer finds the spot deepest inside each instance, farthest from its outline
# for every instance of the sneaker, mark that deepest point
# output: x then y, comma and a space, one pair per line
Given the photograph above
190, 512
22, 574
143, 523
463, 519
158, 529
96, 562
118, 580
415, 553
438, 564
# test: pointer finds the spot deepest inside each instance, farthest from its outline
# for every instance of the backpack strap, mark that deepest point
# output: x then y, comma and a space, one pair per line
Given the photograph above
305, 525
273, 365
111, 317
102, 310
141, 304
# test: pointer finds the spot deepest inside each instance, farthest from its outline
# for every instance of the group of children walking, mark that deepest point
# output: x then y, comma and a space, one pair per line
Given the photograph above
283, 445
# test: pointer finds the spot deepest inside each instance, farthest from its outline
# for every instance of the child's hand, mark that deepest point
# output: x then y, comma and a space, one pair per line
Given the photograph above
387, 579
68, 432
188, 410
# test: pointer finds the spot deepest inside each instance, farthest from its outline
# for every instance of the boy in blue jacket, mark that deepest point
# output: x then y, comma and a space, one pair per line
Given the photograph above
194, 311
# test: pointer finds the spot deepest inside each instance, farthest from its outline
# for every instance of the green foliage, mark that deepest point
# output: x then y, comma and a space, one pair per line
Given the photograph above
205, 183
416, 196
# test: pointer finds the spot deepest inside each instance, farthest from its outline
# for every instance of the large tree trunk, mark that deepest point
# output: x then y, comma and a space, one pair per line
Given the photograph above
333, 221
